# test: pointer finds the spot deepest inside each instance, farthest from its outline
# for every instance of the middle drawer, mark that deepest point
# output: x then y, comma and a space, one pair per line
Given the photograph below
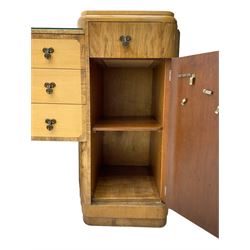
58, 86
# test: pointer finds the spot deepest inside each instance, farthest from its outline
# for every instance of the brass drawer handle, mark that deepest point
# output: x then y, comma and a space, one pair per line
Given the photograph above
125, 40
51, 123
47, 52
49, 87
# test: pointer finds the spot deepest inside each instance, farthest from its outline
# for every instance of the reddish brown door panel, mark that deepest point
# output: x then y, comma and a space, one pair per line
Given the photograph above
192, 175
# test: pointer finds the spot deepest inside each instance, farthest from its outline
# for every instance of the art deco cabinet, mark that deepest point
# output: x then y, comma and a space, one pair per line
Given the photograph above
145, 120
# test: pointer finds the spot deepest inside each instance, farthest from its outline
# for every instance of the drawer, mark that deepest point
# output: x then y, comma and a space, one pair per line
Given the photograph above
147, 40
58, 122
64, 53
57, 86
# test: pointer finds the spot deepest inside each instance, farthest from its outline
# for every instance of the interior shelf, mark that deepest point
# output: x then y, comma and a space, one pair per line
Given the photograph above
127, 124
126, 183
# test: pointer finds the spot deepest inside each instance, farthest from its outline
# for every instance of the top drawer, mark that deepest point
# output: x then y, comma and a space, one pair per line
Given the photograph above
133, 40
56, 53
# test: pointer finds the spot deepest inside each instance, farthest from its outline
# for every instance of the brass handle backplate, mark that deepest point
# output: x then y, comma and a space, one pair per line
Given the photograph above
125, 40
49, 87
50, 123
47, 52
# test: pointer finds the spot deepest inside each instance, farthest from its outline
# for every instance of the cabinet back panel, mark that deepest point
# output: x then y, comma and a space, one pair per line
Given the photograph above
126, 148
128, 92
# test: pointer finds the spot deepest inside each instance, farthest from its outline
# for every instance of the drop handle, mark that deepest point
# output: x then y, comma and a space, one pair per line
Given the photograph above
49, 87
50, 123
125, 40
47, 52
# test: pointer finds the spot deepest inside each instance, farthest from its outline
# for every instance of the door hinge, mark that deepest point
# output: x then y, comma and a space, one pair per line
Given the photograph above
170, 75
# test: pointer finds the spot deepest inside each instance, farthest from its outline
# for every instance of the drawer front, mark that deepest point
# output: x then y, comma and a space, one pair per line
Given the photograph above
147, 40
57, 86
58, 122
63, 53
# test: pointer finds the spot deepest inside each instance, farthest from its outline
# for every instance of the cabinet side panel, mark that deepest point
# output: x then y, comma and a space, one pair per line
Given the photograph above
156, 151
85, 154
166, 119
96, 104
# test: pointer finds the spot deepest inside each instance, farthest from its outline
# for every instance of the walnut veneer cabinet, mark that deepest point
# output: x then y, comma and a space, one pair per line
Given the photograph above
146, 121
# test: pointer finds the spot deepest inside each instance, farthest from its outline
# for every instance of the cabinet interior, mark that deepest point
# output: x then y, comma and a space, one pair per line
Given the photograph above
127, 100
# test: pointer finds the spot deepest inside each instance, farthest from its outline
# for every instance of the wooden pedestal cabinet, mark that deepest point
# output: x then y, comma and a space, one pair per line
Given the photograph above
146, 121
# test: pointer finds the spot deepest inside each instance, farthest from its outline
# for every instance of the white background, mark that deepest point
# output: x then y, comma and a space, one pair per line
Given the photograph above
39, 193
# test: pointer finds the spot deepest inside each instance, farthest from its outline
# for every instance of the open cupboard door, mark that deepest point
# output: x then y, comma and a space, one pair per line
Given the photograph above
192, 171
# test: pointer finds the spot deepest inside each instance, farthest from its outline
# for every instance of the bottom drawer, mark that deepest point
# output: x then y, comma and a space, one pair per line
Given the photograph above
58, 122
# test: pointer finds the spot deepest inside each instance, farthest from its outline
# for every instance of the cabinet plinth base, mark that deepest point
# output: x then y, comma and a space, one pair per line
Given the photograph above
124, 222
120, 214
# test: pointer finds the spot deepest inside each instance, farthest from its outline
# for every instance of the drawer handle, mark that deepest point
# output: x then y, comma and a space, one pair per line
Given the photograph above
50, 123
125, 40
47, 52
49, 87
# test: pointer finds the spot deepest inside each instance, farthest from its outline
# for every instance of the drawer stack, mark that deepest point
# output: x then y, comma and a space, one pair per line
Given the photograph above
58, 89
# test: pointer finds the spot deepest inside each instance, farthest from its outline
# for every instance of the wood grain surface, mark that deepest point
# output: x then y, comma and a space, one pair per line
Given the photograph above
66, 53
125, 222
126, 16
192, 187
148, 40
126, 184
68, 118
126, 148
127, 92
57, 31
137, 210
127, 124
67, 90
